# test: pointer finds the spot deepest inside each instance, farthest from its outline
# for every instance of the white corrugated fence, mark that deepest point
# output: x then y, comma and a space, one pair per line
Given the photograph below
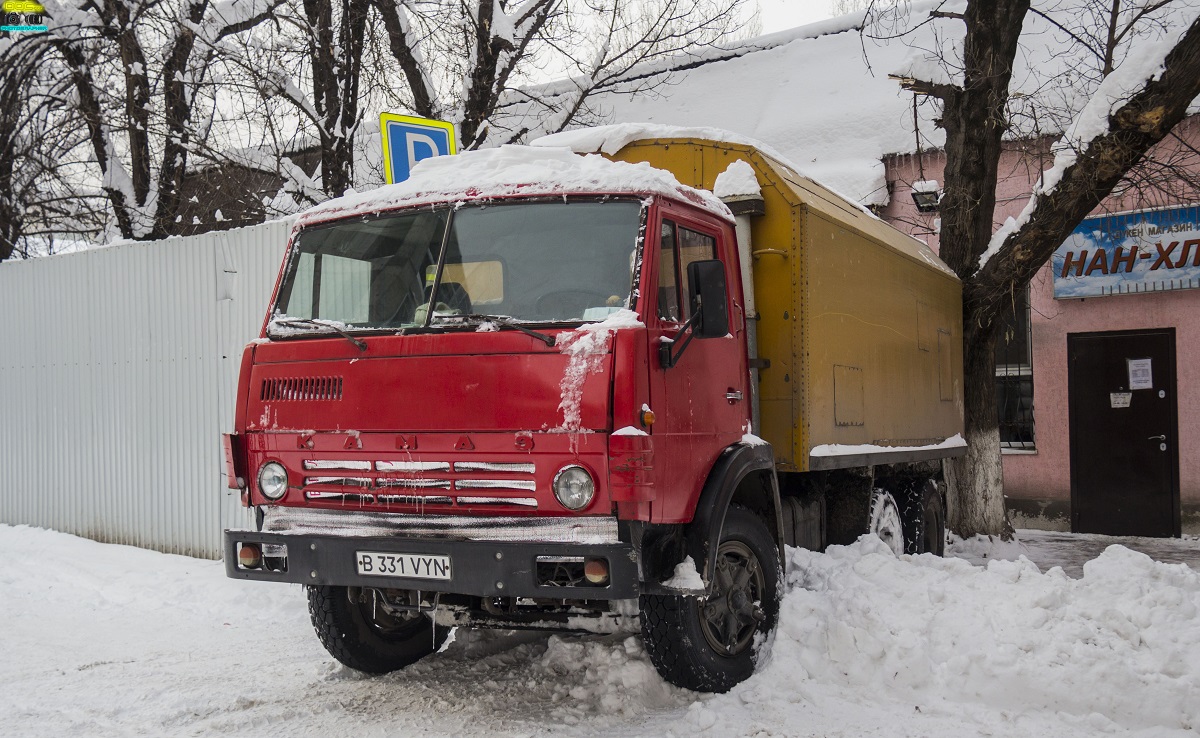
118, 369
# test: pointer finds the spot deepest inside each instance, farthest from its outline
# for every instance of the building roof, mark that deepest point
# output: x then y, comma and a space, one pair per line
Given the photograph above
821, 97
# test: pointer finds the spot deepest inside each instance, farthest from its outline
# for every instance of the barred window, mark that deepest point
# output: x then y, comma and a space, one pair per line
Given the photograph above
1014, 375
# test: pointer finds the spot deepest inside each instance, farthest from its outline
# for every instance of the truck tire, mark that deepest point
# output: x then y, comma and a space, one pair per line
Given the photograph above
887, 522
925, 520
364, 636
707, 644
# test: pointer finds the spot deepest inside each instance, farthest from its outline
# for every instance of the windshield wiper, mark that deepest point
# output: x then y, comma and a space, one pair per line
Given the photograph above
505, 320
360, 344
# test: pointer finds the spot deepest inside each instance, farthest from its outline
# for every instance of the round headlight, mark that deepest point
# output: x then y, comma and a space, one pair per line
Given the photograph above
573, 487
272, 480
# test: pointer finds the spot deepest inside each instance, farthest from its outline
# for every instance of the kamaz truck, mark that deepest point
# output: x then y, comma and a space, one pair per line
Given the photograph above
541, 388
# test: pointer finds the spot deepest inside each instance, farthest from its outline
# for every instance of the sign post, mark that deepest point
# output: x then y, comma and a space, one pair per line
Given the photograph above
407, 140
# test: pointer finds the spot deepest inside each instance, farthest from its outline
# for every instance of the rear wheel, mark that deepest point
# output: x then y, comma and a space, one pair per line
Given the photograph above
924, 519
708, 643
363, 630
886, 521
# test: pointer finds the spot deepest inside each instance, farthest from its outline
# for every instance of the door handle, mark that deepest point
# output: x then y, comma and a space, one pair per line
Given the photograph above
734, 395
1157, 438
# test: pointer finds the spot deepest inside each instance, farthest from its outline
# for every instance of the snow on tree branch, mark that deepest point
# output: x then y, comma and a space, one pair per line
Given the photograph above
1133, 109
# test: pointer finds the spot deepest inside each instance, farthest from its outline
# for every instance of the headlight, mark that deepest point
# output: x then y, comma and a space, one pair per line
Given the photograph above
272, 480
573, 487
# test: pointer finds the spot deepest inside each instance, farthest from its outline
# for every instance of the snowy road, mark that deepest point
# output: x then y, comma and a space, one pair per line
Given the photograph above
103, 640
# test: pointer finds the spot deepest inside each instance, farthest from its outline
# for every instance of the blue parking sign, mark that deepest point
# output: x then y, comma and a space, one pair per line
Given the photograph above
407, 140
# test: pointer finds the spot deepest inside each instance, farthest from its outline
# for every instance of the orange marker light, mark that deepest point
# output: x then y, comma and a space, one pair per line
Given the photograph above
596, 571
250, 556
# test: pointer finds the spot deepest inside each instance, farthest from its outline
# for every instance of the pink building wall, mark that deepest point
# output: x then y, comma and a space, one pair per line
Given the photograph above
1037, 484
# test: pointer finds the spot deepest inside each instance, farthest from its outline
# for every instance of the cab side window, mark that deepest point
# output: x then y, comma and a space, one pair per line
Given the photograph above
678, 247
693, 246
668, 279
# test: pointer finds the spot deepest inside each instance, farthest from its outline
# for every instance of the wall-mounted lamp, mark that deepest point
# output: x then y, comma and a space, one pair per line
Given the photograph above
926, 195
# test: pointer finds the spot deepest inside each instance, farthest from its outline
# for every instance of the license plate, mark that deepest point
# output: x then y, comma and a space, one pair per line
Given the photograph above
409, 566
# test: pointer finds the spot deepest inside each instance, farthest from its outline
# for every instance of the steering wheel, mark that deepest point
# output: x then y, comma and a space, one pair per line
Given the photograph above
570, 303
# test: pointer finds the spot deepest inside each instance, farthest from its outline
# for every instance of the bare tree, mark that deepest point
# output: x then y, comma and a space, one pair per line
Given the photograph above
467, 61
43, 192
845, 7
138, 73
1124, 118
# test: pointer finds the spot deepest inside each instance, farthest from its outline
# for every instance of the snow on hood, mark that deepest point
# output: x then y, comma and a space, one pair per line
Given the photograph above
511, 171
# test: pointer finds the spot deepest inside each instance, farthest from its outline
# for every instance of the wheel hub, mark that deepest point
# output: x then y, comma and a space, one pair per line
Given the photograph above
730, 615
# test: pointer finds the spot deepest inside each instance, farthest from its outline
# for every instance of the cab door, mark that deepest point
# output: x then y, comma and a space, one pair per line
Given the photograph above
701, 404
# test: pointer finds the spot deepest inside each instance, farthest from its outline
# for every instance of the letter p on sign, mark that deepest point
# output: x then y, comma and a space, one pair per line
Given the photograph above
408, 140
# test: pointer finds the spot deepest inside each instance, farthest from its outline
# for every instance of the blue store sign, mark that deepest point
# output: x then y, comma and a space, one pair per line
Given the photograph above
408, 140
1142, 251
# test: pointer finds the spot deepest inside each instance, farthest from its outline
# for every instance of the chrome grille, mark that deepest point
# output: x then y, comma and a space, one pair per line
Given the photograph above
493, 466
421, 475
521, 484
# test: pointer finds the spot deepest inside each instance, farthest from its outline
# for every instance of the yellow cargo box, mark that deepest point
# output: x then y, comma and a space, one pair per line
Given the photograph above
861, 324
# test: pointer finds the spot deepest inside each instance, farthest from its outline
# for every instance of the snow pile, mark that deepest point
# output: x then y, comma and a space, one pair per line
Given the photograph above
1123, 642
610, 676
629, 430
738, 180
981, 549
513, 171
113, 640
686, 577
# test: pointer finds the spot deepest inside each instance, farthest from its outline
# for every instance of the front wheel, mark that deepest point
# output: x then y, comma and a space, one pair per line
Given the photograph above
364, 630
708, 643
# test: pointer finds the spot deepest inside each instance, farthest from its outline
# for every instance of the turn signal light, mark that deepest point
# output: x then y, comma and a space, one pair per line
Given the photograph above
596, 571
250, 556
646, 417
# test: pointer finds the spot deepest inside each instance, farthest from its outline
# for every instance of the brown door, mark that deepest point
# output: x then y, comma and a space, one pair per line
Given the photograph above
1124, 437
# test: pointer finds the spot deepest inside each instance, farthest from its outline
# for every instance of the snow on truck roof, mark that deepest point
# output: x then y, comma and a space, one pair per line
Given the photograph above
514, 171
740, 175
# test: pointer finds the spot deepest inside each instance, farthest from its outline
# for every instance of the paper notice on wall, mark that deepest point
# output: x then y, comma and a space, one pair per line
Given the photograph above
1120, 399
1140, 376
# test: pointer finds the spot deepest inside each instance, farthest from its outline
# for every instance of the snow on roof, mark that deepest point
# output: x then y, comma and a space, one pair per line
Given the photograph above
511, 171
613, 138
821, 97
738, 180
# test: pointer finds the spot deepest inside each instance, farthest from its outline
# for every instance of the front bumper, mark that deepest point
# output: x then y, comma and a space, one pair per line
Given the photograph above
484, 568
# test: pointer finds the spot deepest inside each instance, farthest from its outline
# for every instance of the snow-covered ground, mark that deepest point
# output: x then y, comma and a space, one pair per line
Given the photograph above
105, 640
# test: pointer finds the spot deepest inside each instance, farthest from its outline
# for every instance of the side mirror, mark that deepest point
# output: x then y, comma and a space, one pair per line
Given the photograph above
706, 280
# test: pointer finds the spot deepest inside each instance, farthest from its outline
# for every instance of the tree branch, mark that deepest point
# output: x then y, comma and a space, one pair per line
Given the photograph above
1141, 122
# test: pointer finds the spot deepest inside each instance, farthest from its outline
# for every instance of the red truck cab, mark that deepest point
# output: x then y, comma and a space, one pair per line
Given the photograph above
511, 399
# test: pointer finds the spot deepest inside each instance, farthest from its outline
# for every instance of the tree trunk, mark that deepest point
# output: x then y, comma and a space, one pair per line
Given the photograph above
975, 503
974, 119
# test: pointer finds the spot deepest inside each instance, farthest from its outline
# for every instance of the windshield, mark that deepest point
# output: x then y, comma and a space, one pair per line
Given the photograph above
539, 262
